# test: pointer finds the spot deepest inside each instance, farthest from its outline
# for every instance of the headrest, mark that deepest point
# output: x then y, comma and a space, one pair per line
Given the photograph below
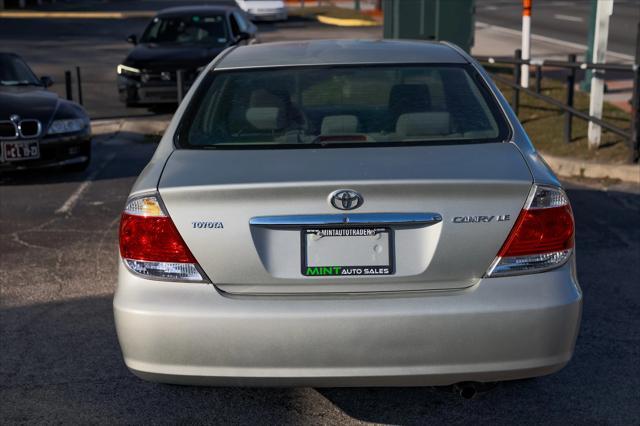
424, 124
263, 118
339, 125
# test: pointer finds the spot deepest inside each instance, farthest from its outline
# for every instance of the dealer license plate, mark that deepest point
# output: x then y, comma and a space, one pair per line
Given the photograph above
347, 251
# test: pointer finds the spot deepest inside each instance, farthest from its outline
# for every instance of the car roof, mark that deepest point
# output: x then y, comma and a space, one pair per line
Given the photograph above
343, 52
201, 9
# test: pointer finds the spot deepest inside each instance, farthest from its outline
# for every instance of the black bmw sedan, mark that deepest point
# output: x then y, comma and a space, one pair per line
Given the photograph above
181, 38
38, 128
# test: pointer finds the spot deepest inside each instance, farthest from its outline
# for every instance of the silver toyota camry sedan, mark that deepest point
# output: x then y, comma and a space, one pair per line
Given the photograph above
346, 213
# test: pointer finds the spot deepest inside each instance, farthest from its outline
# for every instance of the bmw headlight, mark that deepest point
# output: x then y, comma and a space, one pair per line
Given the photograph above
71, 125
127, 70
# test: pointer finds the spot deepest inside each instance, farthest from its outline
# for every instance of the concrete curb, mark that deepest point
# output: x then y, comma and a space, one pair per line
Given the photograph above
340, 22
568, 167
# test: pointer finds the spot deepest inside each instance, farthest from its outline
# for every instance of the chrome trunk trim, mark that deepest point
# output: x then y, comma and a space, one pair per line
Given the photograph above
403, 220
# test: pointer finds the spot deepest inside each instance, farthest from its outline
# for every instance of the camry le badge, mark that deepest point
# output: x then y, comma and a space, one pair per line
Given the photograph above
346, 199
481, 219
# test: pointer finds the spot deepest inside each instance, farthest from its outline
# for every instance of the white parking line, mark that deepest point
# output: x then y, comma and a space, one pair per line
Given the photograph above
567, 18
75, 196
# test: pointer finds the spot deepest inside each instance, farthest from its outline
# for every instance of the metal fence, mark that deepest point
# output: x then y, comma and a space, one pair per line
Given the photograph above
571, 66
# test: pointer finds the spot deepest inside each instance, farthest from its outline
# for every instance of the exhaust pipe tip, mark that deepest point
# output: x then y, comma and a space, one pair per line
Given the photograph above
468, 392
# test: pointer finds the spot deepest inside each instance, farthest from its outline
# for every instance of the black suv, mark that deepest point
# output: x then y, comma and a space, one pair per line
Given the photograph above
178, 39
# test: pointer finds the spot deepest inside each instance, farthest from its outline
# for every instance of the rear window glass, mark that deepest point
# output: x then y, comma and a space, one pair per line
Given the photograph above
342, 105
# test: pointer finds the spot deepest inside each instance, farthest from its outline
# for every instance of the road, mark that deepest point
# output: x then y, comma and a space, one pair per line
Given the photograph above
60, 361
565, 20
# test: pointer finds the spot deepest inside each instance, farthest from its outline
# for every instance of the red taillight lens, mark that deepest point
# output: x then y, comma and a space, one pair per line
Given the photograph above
540, 231
150, 244
542, 237
152, 239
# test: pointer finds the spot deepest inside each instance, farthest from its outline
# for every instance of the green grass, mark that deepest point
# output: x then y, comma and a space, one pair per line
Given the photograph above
544, 124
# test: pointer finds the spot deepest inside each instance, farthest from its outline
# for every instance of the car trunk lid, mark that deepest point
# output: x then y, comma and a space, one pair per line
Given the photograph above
252, 218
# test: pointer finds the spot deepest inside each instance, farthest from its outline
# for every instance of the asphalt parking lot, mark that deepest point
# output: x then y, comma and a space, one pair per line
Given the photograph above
60, 361
59, 357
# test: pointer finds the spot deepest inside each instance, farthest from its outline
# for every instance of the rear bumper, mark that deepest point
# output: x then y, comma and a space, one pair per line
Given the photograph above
500, 329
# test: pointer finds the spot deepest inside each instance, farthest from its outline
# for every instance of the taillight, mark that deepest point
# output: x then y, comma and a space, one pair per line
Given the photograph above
150, 244
542, 237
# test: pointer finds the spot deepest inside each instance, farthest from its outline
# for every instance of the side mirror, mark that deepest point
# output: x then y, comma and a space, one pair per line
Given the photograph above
242, 35
46, 81
133, 39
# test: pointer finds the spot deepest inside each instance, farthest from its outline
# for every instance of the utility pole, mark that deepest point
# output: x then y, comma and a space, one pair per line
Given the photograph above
526, 41
601, 35
586, 83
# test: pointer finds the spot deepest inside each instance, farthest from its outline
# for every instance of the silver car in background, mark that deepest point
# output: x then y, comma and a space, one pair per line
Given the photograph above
346, 213
264, 10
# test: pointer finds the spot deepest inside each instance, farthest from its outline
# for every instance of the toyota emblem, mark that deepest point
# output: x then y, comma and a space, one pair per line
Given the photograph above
346, 199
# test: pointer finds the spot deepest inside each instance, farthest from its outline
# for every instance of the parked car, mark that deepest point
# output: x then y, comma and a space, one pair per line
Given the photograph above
346, 213
180, 38
37, 127
264, 10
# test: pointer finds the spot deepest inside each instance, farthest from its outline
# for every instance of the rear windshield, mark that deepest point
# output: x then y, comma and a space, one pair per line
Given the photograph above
366, 105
